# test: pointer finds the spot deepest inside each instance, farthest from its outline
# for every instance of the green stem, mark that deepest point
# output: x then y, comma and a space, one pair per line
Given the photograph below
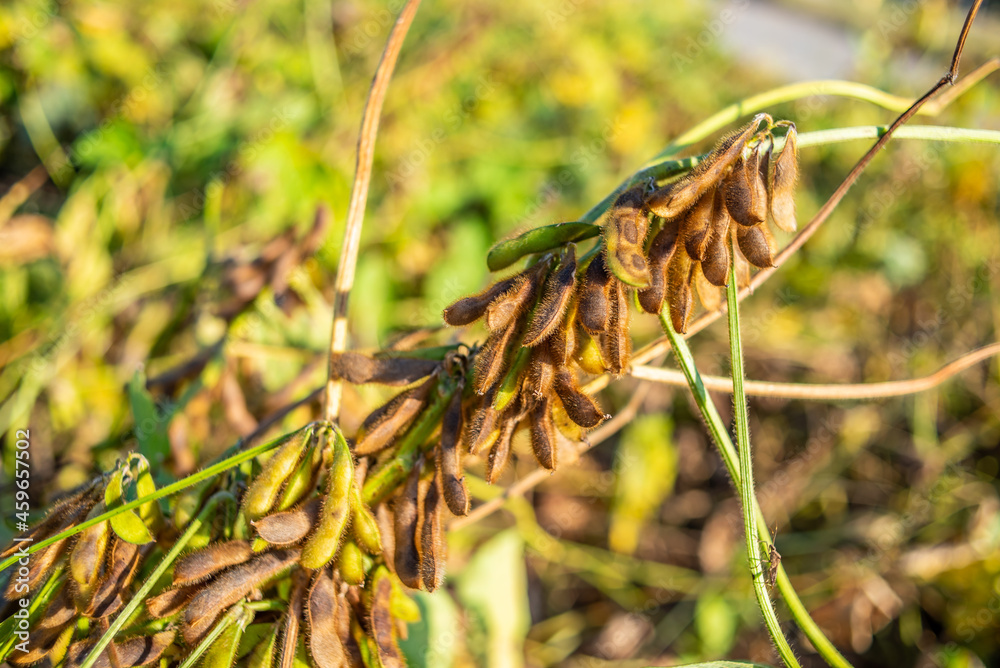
140, 596
748, 499
172, 488
237, 614
720, 435
381, 483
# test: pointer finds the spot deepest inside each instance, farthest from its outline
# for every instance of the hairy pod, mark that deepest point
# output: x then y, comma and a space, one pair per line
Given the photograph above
543, 438
745, 191
381, 621
715, 264
290, 633
757, 245
113, 590
499, 455
350, 563
493, 358
223, 650
39, 565
206, 562
323, 614
322, 544
431, 547
515, 302
406, 514
679, 293
449, 458
364, 526
587, 353
51, 645
696, 225
786, 173
624, 234
303, 481
86, 559
229, 587
131, 653
580, 408
263, 492
555, 298
563, 340
675, 198
617, 342
541, 371
359, 369
482, 429
66, 513
595, 302
660, 249
289, 526
380, 429
710, 295
466, 311
169, 602
262, 655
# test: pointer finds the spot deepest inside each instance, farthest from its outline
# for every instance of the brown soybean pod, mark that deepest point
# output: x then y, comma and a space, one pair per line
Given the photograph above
466, 311
492, 359
710, 295
169, 602
131, 653
715, 264
624, 234
86, 559
563, 340
359, 369
617, 342
543, 439
111, 592
580, 407
500, 452
786, 173
651, 298
745, 192
381, 622
405, 512
290, 635
555, 298
511, 305
325, 645
481, 430
757, 245
679, 289
206, 562
449, 457
541, 371
380, 429
696, 225
322, 544
594, 305
431, 546
289, 526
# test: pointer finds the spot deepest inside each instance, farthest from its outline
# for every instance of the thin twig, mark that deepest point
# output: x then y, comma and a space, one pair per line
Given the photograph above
825, 392
359, 196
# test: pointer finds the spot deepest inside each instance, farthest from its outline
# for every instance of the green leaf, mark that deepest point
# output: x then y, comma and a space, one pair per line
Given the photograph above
493, 588
128, 525
432, 641
150, 426
646, 468
538, 240
144, 486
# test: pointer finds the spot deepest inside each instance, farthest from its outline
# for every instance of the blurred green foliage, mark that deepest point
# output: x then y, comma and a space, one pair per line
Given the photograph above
179, 139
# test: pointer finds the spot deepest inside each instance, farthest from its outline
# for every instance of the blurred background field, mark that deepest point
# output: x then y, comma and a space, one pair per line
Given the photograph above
161, 167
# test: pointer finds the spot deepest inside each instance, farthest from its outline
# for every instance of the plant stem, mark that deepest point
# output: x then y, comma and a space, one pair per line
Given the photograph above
140, 596
730, 458
748, 500
172, 488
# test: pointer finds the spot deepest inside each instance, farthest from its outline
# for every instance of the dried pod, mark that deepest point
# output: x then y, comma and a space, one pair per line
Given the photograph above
563, 340
543, 439
710, 295
756, 244
322, 544
482, 429
113, 590
617, 342
696, 225
263, 492
322, 615
289, 526
350, 563
587, 353
786, 173
651, 298
513, 303
206, 562
492, 359
449, 458
466, 311
555, 297
86, 559
406, 514
675, 198
359, 369
39, 565
541, 371
431, 547
594, 306
746, 192
582, 409
231, 586
381, 427
130, 653
624, 234
381, 622
364, 527
500, 452
169, 602
740, 265
679, 289
290, 634
66, 513
715, 264
52, 645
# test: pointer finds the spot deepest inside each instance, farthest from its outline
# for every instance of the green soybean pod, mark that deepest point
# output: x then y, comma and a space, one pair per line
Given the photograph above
322, 545
264, 490
222, 652
351, 564
364, 526
303, 480
263, 653
538, 240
